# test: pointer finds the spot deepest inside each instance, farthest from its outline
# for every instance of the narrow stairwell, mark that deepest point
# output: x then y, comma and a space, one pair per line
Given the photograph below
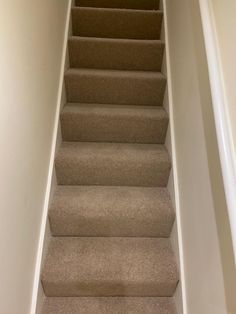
111, 216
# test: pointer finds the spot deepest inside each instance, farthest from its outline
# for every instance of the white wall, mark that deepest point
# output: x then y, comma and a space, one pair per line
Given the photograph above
224, 15
31, 39
202, 210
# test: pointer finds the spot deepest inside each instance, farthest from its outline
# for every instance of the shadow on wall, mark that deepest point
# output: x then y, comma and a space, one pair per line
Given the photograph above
221, 213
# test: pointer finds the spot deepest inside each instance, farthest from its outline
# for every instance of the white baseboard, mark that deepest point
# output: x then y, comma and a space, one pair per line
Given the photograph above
181, 289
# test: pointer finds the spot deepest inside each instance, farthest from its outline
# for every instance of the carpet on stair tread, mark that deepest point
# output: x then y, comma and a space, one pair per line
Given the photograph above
109, 305
116, 54
114, 123
123, 4
112, 164
109, 267
116, 23
111, 211
112, 86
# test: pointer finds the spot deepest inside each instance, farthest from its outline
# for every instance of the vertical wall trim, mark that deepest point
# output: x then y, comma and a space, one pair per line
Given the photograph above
50, 169
174, 161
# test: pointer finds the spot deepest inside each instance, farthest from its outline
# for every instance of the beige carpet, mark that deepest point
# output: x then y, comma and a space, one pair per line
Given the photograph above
116, 305
111, 216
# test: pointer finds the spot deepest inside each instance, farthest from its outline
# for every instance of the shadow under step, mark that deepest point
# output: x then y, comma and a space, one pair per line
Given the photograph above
109, 267
112, 164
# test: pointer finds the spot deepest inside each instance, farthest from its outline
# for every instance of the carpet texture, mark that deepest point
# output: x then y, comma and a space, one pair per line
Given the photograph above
109, 266
112, 164
122, 4
116, 54
116, 23
114, 305
115, 211
115, 87
111, 216
114, 123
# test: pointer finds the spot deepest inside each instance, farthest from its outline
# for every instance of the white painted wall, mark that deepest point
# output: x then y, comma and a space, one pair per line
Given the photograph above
221, 24
205, 244
31, 41
221, 112
224, 15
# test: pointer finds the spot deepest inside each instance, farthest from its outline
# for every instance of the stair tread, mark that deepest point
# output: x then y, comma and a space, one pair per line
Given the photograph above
123, 4
109, 267
112, 164
108, 305
116, 23
111, 211
110, 53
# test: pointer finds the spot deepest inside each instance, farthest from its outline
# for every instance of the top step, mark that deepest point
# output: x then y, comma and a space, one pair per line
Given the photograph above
120, 4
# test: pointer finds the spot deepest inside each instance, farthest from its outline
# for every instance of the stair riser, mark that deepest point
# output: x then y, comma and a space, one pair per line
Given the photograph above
101, 127
110, 267
123, 4
111, 211
106, 89
62, 225
115, 305
116, 55
105, 170
105, 227
101, 289
105, 23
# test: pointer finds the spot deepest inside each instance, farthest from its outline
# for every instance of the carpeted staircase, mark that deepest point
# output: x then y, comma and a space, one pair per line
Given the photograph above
111, 216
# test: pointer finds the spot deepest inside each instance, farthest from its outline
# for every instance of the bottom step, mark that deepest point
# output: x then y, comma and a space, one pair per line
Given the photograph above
114, 305
106, 267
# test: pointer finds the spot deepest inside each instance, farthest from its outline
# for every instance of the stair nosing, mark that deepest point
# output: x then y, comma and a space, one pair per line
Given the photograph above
151, 12
162, 146
124, 40
60, 188
75, 71
114, 106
